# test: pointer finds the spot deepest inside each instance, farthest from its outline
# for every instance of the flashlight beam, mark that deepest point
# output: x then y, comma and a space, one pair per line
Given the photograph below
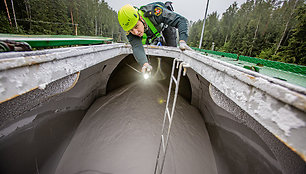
133, 68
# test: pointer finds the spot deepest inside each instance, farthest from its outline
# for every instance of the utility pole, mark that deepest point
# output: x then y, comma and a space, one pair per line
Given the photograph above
203, 25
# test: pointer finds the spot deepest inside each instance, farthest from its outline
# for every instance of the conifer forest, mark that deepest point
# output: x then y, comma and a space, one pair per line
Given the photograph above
267, 29
60, 17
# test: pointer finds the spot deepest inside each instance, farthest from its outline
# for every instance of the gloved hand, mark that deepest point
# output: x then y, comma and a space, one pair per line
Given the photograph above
146, 68
183, 46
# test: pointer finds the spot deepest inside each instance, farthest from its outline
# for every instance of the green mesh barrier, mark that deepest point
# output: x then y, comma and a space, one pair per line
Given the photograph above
295, 74
273, 64
234, 56
277, 65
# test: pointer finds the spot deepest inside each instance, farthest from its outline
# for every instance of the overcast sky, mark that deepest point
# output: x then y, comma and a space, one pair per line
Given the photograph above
191, 9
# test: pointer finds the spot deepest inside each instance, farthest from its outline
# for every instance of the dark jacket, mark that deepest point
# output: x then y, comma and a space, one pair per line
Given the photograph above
160, 16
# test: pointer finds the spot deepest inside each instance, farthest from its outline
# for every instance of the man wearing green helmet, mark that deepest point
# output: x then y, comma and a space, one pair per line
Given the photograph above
145, 26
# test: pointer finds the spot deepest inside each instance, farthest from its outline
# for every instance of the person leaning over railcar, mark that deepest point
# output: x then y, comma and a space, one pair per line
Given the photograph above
152, 23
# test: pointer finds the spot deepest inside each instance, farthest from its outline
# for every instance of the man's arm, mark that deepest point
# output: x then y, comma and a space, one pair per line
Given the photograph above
138, 50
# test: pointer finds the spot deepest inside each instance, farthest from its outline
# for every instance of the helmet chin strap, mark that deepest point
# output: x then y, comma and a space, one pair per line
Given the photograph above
144, 23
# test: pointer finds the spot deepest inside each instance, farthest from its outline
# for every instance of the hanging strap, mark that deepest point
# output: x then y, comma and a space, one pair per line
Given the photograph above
151, 26
144, 38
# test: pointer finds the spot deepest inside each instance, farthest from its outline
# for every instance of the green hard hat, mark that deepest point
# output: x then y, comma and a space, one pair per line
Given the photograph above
128, 17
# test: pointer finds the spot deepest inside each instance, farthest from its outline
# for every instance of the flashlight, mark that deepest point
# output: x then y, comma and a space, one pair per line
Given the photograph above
146, 76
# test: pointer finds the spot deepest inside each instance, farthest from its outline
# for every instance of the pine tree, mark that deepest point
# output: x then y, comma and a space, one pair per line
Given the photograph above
295, 51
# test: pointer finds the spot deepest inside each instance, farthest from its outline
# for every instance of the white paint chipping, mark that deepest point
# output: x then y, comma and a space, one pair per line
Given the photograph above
290, 97
286, 120
42, 86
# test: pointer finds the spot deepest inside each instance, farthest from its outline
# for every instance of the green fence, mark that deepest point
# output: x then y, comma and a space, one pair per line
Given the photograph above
299, 69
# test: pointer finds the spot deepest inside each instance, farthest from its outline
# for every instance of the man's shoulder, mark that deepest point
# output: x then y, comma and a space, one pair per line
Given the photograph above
161, 4
155, 8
